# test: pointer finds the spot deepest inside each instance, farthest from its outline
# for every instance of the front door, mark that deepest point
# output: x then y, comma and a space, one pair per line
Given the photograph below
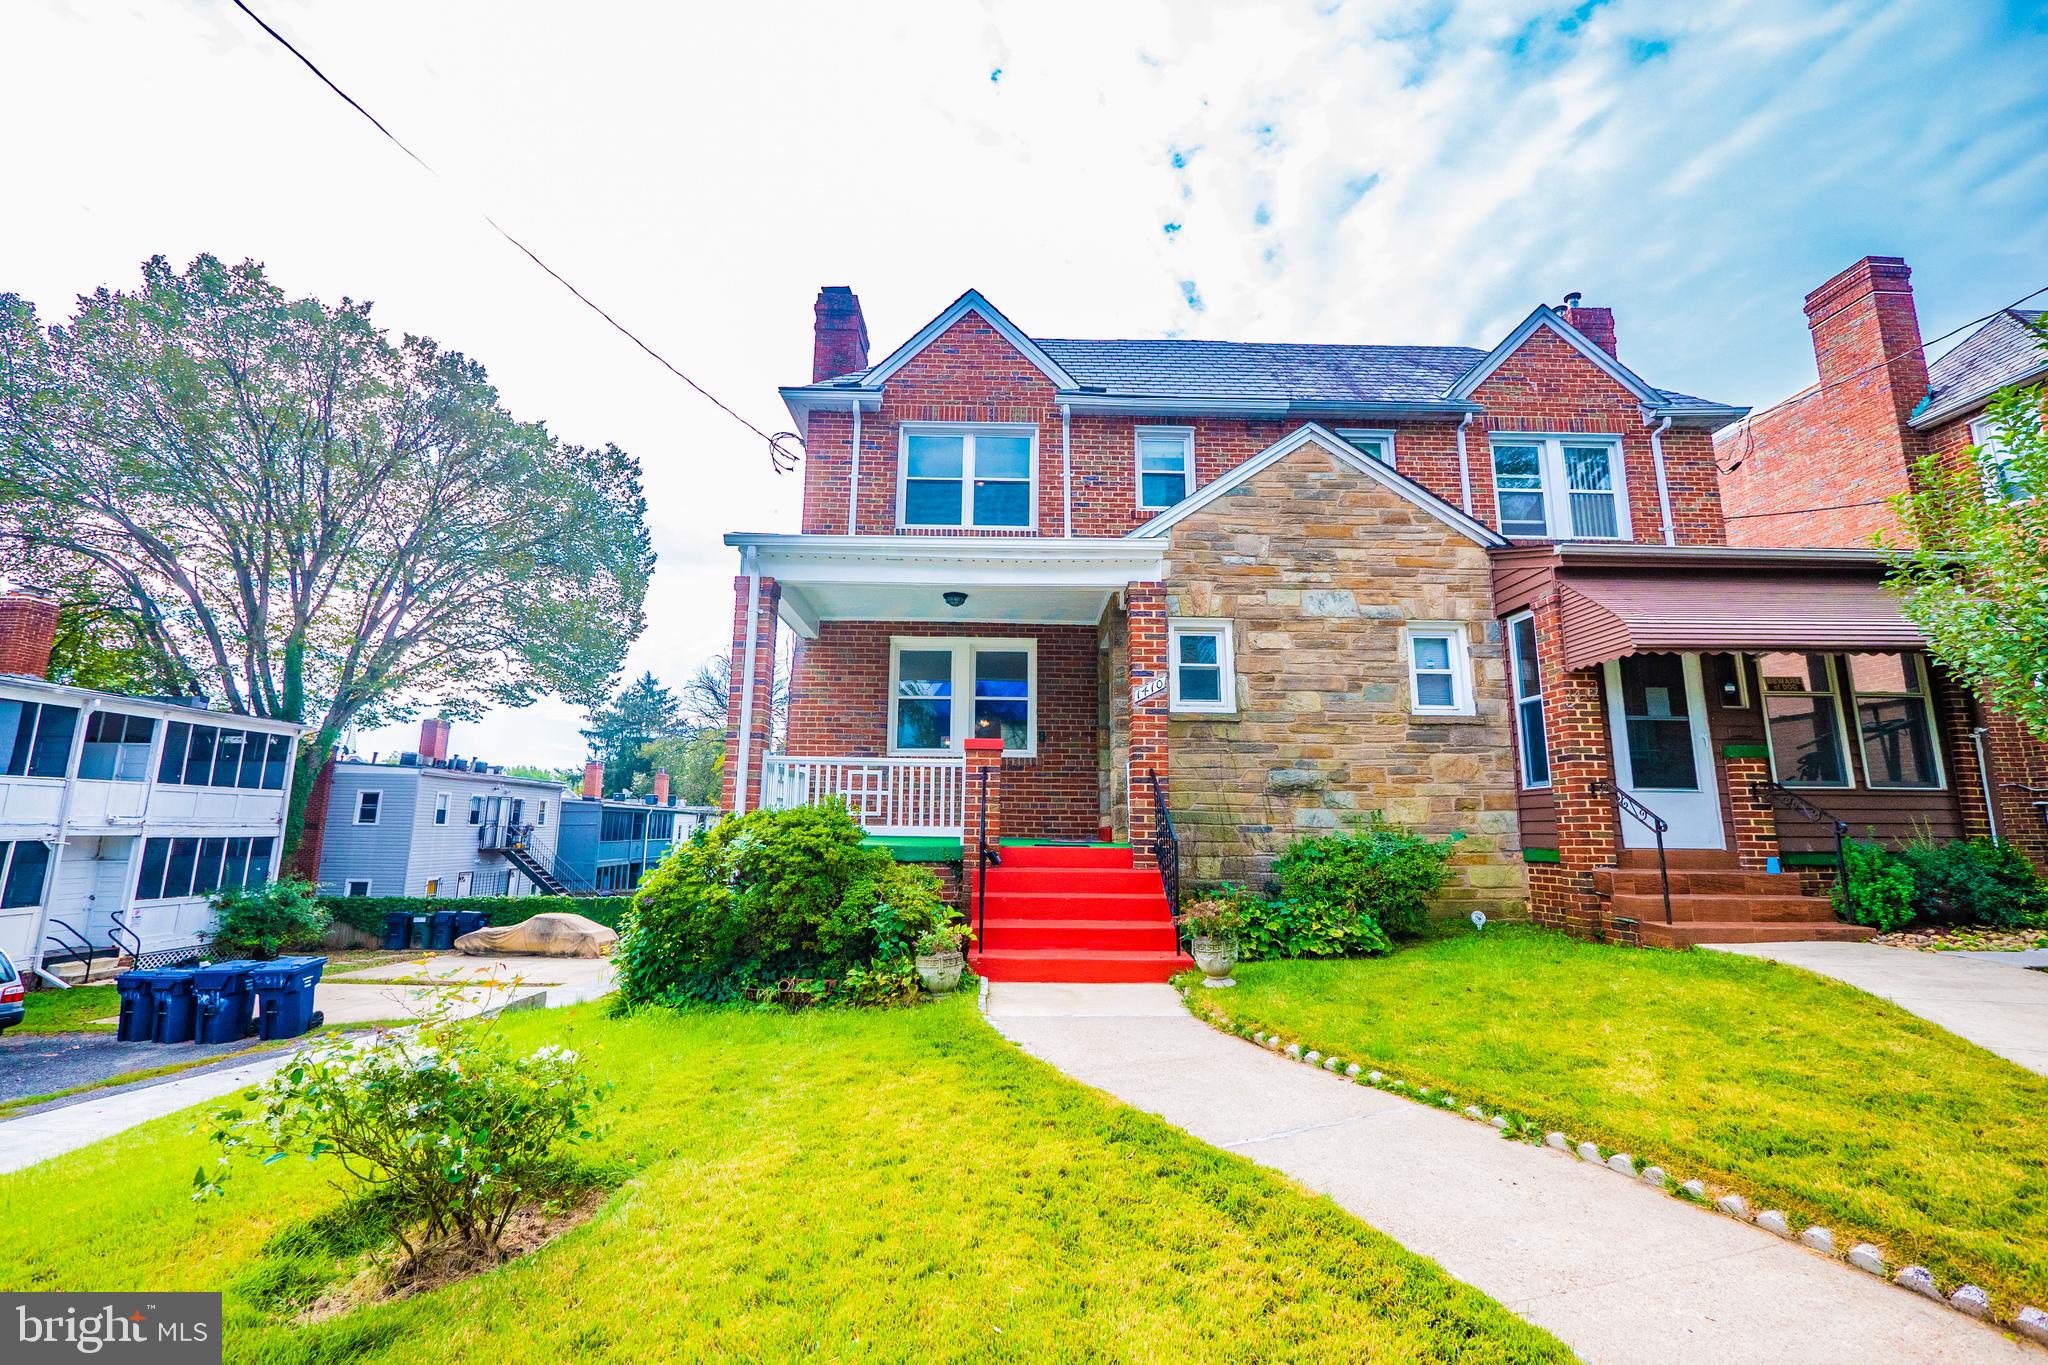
1657, 712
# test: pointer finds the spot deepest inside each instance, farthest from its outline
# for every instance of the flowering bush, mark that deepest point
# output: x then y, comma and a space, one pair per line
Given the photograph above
444, 1120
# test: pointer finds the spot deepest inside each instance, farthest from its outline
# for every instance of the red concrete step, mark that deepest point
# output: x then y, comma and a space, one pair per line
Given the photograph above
1645, 881
1676, 858
1076, 964
1064, 855
1727, 909
1657, 934
1078, 905
1077, 879
1130, 935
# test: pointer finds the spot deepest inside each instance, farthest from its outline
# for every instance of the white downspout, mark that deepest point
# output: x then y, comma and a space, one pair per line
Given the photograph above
1465, 464
1066, 470
1663, 485
1984, 776
746, 735
853, 494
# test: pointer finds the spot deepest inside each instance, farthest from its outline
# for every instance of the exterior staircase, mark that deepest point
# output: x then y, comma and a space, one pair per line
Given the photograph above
1075, 913
538, 872
1716, 900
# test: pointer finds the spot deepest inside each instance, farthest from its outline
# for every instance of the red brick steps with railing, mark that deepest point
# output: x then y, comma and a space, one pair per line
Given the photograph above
1075, 913
1714, 900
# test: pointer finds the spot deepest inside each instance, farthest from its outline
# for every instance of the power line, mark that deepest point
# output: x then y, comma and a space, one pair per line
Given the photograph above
783, 446
1802, 511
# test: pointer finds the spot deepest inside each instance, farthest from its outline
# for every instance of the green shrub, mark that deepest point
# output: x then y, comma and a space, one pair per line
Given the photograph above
367, 912
1973, 881
791, 906
1379, 876
262, 921
1269, 930
1880, 891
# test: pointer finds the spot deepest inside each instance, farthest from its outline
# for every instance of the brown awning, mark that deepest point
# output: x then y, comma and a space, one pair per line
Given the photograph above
1608, 615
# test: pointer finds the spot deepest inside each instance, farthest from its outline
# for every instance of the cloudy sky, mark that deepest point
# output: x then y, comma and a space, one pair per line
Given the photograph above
1280, 171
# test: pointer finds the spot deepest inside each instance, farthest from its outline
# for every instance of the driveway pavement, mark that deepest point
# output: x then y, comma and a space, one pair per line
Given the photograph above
1617, 1270
1989, 998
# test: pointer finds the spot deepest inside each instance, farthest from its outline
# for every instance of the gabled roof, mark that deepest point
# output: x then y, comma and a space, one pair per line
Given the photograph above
2003, 351
1344, 452
970, 302
1546, 316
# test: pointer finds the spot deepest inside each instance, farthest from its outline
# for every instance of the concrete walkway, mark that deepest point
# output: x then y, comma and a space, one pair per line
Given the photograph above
1617, 1270
1989, 998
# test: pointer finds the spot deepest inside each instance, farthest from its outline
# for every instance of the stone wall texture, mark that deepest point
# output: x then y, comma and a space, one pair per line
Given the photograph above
1318, 567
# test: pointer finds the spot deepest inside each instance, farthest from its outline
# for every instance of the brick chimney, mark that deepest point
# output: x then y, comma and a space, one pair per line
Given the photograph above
661, 786
839, 342
593, 779
1596, 323
28, 628
1864, 325
433, 738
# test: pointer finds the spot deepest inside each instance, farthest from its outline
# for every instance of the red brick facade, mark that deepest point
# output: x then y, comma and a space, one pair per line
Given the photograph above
1562, 894
758, 733
28, 629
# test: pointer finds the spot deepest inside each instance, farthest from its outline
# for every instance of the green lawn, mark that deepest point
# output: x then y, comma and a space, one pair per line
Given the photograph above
893, 1185
72, 1011
1799, 1092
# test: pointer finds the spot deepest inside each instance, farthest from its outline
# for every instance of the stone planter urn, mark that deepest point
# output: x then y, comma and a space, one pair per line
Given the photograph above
940, 972
1215, 956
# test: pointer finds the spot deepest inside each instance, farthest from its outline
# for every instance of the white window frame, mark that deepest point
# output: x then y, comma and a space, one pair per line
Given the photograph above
1352, 435
1461, 667
441, 808
1985, 436
1842, 741
1521, 699
376, 815
1925, 696
349, 887
1226, 659
1556, 485
1186, 437
970, 430
963, 649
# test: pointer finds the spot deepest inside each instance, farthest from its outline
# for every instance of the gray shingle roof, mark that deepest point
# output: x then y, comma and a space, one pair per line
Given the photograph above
1997, 353
1178, 368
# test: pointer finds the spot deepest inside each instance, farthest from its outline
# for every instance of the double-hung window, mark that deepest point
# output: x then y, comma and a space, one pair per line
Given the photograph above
1202, 667
369, 806
981, 476
1439, 669
1377, 444
441, 809
944, 692
1166, 466
1559, 487
1895, 720
2000, 479
1803, 720
1527, 680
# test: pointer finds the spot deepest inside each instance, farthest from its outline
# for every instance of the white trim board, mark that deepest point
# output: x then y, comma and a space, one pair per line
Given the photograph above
1339, 449
969, 302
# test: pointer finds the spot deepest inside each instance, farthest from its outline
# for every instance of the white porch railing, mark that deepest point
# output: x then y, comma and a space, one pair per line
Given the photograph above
887, 795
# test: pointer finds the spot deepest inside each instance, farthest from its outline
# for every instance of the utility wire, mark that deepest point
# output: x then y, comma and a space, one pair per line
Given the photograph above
784, 447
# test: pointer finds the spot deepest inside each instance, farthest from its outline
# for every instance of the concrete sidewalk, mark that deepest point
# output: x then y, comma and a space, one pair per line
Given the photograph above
1989, 998
1617, 1270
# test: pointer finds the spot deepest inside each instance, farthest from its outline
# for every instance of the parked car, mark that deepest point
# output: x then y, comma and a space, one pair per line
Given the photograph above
13, 995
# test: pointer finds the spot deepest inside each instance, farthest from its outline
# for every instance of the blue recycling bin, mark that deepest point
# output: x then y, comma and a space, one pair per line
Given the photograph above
138, 1007
397, 928
174, 1007
468, 922
419, 930
225, 1007
444, 931
284, 991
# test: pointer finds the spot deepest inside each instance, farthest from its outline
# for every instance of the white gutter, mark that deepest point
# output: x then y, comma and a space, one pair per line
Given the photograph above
853, 496
1984, 776
1066, 470
1663, 485
746, 735
1465, 464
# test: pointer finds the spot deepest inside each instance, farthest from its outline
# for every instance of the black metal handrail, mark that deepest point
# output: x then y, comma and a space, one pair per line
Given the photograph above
121, 927
1166, 849
1768, 793
500, 834
1658, 825
2040, 805
79, 943
984, 854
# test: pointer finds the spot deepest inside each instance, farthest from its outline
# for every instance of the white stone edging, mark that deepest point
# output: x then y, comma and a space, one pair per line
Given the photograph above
1968, 1299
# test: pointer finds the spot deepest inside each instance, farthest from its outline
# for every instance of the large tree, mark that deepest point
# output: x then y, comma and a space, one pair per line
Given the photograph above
305, 517
1974, 572
642, 712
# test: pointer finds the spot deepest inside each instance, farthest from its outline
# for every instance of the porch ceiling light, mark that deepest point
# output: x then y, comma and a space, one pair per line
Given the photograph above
956, 598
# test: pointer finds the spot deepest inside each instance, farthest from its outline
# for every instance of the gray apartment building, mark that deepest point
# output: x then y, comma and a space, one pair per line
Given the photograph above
432, 825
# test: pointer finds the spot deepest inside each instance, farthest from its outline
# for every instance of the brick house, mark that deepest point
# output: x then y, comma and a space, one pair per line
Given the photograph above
1820, 469
1148, 611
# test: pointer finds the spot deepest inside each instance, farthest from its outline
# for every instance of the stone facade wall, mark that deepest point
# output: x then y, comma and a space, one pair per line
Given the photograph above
1318, 567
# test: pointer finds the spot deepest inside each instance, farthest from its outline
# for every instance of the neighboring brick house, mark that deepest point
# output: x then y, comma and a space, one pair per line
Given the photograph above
1293, 584
1822, 467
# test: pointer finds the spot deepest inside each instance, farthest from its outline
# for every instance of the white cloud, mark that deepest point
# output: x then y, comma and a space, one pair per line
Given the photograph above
702, 169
